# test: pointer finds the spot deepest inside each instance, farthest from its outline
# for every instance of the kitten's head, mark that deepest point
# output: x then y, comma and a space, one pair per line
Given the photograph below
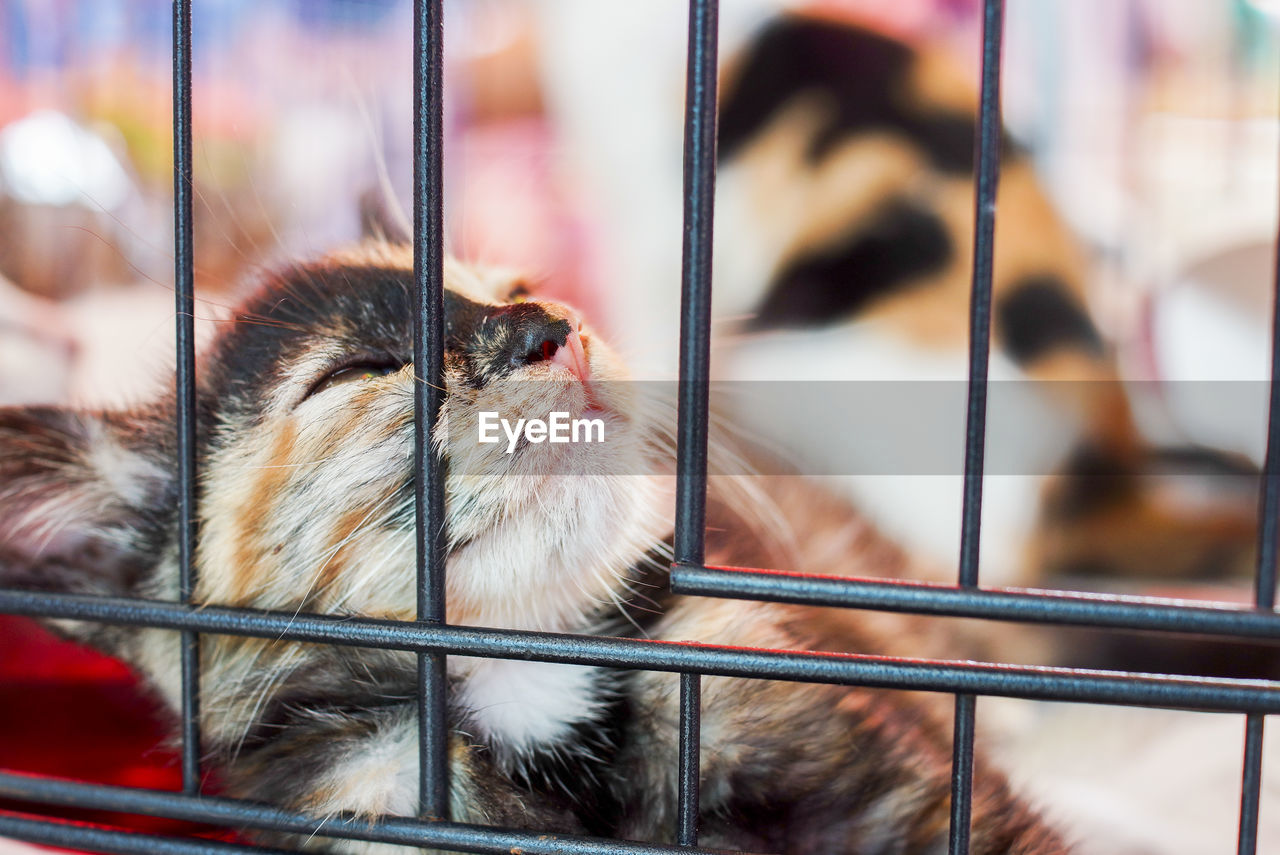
308, 480
305, 453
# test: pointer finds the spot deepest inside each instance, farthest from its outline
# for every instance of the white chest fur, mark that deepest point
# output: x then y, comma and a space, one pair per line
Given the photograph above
522, 707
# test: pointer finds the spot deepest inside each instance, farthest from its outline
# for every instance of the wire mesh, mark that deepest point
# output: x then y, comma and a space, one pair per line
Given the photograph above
433, 639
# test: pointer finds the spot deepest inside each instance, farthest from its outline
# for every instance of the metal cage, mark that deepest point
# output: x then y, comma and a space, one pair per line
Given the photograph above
432, 638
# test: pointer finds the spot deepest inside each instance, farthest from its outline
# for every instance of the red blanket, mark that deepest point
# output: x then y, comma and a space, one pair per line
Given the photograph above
69, 712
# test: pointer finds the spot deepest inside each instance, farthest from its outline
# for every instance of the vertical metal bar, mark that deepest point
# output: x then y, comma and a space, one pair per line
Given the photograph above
695, 306
690, 738
987, 167
184, 290
1265, 579
962, 774
1249, 794
695, 358
1269, 500
428, 343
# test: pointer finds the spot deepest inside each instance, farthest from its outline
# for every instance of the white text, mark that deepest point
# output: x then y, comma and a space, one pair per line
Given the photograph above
559, 428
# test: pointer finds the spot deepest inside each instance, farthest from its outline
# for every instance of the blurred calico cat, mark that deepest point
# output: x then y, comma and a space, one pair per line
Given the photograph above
847, 217
843, 257
306, 504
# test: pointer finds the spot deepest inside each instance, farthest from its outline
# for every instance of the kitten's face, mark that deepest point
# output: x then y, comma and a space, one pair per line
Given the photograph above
305, 454
308, 479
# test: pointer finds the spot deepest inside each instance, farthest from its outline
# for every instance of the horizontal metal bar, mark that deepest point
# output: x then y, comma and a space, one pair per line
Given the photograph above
73, 835
232, 813
1056, 607
1036, 683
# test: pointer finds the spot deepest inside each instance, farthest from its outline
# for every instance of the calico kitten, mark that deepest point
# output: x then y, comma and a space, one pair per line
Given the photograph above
306, 505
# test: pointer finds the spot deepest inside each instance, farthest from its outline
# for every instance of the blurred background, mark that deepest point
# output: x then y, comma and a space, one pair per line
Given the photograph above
1153, 124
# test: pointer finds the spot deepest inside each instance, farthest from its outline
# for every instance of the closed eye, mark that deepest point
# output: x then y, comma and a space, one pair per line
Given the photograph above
359, 372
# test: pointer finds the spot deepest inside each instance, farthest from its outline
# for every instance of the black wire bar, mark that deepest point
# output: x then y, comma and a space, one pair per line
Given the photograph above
690, 770
185, 377
87, 838
1269, 500
1265, 578
962, 771
1251, 788
1066, 608
236, 814
695, 303
428, 395
987, 167
695, 360
846, 669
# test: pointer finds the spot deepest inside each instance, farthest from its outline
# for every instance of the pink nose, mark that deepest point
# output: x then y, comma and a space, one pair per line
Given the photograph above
571, 355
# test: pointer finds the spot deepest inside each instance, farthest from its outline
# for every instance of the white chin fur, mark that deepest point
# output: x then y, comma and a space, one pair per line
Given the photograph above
522, 707
559, 560
556, 566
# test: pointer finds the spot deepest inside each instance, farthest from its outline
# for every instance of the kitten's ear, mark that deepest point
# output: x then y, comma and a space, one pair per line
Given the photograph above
81, 501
